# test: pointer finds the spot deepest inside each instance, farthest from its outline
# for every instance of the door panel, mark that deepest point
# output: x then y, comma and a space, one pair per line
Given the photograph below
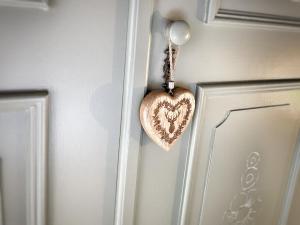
241, 161
243, 154
294, 213
279, 7
76, 51
283, 14
14, 133
250, 158
23, 131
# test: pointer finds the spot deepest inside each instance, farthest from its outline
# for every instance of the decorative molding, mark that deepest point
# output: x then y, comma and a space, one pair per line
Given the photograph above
191, 206
210, 11
134, 87
128, 87
248, 192
1, 201
41, 4
291, 186
37, 105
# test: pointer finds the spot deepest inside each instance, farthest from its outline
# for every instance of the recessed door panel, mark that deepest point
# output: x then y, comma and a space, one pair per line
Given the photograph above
250, 161
14, 145
241, 164
23, 125
290, 8
39, 4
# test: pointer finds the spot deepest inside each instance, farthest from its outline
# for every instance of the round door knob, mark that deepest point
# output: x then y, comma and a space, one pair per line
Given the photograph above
179, 32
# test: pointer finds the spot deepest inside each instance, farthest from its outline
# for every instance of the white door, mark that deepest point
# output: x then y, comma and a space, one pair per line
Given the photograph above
72, 77
238, 163
68, 60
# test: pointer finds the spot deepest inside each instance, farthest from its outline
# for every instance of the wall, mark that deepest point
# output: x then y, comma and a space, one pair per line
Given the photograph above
76, 51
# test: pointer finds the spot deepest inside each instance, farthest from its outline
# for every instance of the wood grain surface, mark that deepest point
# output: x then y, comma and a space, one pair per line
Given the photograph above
165, 117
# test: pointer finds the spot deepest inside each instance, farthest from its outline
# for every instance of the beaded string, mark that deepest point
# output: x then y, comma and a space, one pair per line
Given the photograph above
169, 67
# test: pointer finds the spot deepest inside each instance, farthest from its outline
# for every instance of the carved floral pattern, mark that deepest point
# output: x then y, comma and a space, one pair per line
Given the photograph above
245, 206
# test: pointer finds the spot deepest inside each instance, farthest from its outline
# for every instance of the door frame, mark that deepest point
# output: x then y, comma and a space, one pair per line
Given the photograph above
134, 88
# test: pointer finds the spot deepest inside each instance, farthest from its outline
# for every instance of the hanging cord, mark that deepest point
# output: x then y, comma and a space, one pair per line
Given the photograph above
171, 59
169, 67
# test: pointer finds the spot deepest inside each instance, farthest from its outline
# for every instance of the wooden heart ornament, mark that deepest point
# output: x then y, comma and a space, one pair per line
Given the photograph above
165, 117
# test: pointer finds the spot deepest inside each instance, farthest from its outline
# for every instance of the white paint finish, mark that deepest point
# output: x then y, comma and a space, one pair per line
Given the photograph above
14, 133
282, 14
159, 183
156, 181
294, 213
293, 180
23, 132
214, 54
38, 4
81, 66
273, 7
136, 71
275, 149
1, 206
266, 133
76, 50
223, 52
126, 113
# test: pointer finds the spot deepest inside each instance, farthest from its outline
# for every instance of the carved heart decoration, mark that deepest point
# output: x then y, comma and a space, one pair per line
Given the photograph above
165, 117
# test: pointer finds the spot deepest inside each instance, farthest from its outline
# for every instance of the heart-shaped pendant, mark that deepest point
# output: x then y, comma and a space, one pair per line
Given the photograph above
165, 117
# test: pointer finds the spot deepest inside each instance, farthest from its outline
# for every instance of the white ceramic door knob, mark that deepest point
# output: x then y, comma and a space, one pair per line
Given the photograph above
179, 32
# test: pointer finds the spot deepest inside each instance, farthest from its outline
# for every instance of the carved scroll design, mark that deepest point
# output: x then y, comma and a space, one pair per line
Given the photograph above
245, 206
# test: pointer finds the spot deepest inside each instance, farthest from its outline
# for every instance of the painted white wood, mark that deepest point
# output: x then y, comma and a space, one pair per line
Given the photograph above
126, 112
1, 203
38, 4
36, 105
291, 196
136, 71
215, 53
215, 105
209, 46
294, 211
81, 161
211, 11
76, 50
279, 7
